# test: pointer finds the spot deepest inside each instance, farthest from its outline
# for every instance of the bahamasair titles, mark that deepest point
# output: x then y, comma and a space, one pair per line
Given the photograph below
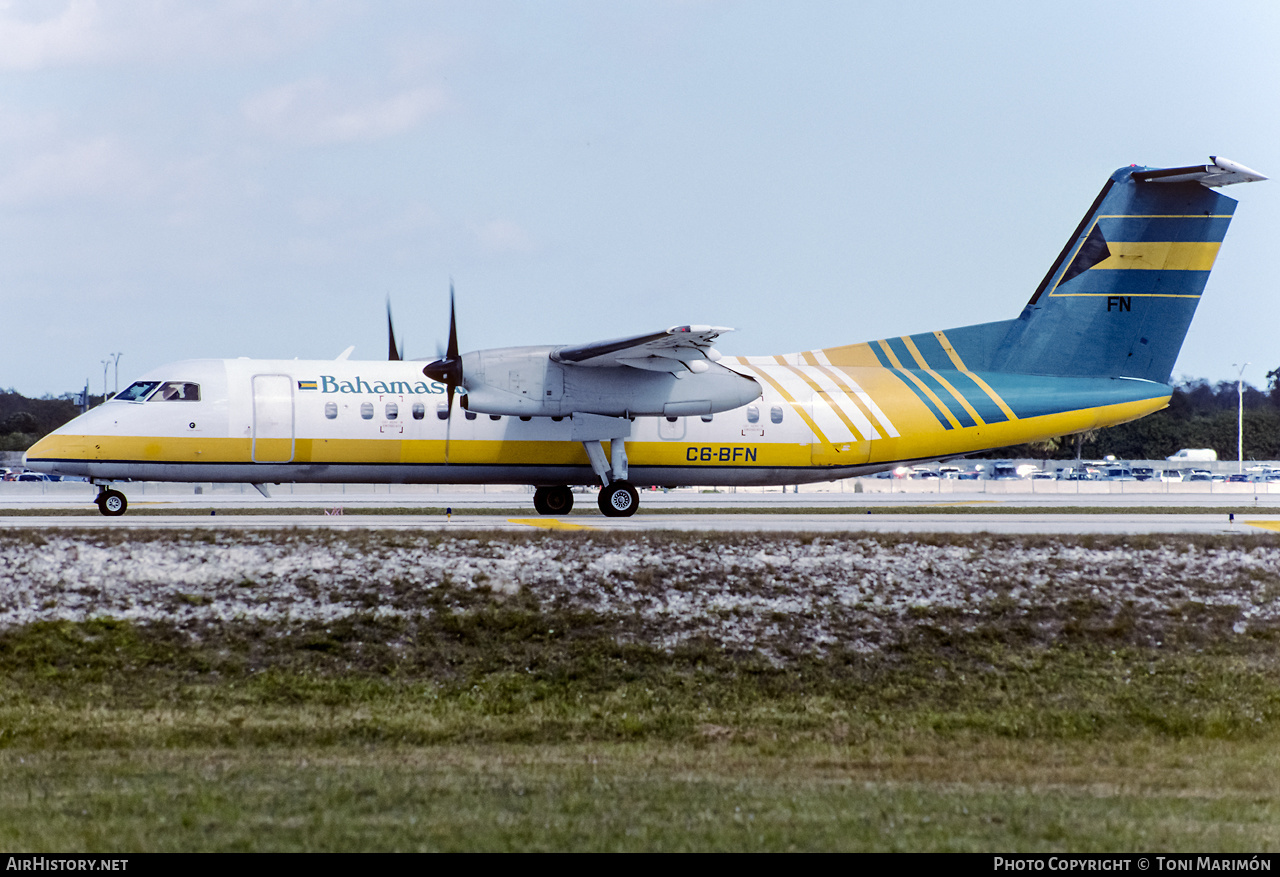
1095, 346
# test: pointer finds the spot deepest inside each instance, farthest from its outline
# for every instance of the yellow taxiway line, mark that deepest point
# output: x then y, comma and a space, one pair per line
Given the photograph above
548, 524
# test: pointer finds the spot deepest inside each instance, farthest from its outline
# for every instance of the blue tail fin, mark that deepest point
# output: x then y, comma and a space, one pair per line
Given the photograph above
1120, 297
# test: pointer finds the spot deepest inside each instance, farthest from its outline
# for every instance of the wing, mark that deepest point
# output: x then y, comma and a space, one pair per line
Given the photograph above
678, 350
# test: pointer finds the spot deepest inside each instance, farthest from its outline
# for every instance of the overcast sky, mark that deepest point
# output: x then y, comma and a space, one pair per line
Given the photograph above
228, 178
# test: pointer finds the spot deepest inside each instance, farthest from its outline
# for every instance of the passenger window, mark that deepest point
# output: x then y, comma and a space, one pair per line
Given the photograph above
179, 391
331, 410
442, 411
393, 411
366, 410
706, 418
753, 414
672, 419
495, 416
419, 411
775, 413
471, 415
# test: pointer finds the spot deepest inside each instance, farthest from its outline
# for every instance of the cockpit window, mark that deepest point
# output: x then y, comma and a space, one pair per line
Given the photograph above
178, 391
137, 391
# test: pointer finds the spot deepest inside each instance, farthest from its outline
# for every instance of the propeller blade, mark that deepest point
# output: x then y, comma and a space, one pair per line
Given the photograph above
448, 368
394, 354
452, 352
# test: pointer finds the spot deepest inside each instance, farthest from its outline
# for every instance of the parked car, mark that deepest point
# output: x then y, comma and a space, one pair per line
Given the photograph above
1003, 471
1195, 455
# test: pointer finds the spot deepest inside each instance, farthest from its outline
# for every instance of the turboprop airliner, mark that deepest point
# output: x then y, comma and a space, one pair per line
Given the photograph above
1095, 346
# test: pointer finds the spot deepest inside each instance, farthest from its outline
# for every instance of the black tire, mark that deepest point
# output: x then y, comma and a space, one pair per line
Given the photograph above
112, 503
619, 500
553, 500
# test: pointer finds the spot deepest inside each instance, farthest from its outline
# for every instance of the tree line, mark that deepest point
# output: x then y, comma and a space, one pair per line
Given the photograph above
25, 421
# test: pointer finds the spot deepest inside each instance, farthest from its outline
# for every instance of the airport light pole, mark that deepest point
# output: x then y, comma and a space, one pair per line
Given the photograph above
112, 359
1240, 415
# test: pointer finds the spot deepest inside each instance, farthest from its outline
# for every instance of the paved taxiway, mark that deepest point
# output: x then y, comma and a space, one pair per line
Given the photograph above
1047, 524
512, 509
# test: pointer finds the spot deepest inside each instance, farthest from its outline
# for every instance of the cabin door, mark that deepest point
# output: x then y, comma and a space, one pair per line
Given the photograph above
843, 431
273, 437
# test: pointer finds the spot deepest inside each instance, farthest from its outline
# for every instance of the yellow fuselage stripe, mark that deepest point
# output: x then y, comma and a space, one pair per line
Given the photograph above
950, 351
964, 403
796, 406
888, 351
171, 450
924, 388
817, 389
840, 382
924, 366
995, 397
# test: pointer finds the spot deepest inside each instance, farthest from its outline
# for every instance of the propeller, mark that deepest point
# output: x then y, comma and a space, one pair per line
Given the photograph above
394, 353
448, 368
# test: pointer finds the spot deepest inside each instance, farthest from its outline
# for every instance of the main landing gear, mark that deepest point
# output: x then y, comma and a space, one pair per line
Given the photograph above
111, 502
553, 500
618, 499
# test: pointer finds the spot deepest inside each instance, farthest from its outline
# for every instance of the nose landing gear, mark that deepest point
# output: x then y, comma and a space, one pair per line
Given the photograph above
111, 502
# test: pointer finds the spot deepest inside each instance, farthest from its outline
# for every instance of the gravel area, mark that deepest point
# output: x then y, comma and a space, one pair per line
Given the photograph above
778, 594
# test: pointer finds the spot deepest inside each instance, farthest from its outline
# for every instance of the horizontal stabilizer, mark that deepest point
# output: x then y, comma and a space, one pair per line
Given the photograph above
1223, 172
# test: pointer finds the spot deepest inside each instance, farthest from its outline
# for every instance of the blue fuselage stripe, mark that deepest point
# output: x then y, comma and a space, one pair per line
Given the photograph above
904, 356
880, 354
956, 409
986, 407
899, 348
922, 397
931, 349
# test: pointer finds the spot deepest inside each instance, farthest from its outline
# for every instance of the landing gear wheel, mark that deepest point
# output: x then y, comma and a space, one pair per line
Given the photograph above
553, 500
619, 500
112, 503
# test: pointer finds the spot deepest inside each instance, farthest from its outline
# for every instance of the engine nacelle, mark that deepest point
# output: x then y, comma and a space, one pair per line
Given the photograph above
526, 382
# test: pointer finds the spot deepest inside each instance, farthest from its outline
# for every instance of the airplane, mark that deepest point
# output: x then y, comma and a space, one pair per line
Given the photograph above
1095, 346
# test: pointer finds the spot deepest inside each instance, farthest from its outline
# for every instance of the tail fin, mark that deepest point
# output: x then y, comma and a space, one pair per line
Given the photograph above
1120, 297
